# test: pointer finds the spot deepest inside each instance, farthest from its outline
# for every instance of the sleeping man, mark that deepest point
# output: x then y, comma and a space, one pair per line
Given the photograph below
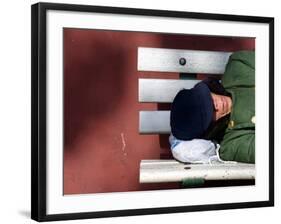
216, 120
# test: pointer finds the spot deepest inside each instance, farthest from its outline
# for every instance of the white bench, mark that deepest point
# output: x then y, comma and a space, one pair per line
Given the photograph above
158, 122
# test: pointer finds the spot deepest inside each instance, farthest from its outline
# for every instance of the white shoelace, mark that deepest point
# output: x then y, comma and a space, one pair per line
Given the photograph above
218, 159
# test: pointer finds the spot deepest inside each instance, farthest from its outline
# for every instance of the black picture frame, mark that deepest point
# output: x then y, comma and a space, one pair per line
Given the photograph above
39, 116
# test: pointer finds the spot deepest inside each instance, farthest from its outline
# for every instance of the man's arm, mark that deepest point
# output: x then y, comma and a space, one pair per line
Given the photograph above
238, 145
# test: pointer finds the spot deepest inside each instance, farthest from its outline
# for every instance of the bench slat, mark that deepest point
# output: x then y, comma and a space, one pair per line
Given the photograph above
162, 90
157, 171
167, 60
154, 122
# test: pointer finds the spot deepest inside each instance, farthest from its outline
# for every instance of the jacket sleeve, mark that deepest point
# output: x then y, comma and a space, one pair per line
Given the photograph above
238, 145
240, 70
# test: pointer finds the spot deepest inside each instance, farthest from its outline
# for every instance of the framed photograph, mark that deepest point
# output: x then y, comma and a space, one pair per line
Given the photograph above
139, 111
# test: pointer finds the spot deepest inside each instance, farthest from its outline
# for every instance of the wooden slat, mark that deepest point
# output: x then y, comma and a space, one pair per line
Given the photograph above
167, 60
157, 171
154, 122
162, 90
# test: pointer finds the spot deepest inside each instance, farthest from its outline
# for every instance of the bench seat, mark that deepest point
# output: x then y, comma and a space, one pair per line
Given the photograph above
159, 171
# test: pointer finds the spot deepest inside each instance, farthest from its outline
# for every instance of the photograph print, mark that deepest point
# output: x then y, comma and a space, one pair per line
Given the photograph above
148, 111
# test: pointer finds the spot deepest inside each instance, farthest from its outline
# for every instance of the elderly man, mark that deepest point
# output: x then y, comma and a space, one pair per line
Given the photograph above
224, 112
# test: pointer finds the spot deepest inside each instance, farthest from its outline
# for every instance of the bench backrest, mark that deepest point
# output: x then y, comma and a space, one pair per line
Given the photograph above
164, 90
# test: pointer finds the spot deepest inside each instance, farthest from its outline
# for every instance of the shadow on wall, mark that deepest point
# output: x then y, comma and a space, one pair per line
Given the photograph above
89, 92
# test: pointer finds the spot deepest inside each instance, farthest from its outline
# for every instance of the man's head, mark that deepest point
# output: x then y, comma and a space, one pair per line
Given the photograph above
194, 109
222, 105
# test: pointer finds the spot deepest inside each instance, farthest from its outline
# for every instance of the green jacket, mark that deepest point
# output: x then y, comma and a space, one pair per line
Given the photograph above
238, 141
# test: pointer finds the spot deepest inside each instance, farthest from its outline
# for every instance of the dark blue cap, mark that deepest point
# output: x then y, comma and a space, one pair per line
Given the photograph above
191, 112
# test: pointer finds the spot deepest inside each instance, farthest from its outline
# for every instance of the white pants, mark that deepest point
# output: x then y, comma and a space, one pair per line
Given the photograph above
194, 151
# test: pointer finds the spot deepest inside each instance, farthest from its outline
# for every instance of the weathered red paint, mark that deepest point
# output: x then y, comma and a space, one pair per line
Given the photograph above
102, 146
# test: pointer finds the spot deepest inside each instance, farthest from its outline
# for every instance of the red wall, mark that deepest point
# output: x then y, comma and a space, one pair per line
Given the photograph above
102, 146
